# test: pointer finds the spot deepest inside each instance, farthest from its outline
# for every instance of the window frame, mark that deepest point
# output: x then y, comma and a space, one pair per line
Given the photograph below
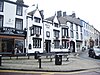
37, 42
16, 23
56, 44
2, 6
56, 33
56, 25
33, 30
37, 20
2, 20
17, 10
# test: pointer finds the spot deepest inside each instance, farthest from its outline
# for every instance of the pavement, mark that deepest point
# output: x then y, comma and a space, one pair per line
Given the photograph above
75, 63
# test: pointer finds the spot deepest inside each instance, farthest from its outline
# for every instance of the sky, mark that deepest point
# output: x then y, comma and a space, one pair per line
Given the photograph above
88, 10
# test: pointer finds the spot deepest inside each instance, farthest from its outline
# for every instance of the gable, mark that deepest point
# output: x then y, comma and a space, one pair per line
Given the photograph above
37, 14
55, 20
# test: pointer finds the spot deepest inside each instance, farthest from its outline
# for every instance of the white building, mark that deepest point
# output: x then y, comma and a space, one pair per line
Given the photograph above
74, 31
52, 34
34, 31
12, 25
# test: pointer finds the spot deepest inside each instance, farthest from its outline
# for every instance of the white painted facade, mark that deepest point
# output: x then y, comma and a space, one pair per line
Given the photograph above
9, 10
31, 24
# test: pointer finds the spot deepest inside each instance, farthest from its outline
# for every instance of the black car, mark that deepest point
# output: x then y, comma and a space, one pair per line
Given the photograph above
94, 52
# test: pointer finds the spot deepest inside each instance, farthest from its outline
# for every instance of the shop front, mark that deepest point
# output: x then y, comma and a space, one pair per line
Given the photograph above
9, 43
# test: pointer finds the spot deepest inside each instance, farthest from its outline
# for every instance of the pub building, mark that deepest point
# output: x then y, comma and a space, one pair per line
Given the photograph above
12, 26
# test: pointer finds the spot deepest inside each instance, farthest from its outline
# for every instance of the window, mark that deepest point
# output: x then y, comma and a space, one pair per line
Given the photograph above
80, 29
72, 34
37, 43
1, 21
1, 6
19, 10
81, 36
56, 24
65, 44
48, 34
19, 24
56, 44
76, 27
56, 33
64, 32
71, 26
36, 30
77, 35
36, 19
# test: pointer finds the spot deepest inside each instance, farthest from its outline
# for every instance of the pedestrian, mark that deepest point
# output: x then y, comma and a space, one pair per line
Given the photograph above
15, 50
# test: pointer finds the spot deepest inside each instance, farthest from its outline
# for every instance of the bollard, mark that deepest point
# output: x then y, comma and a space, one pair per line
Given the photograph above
0, 59
39, 62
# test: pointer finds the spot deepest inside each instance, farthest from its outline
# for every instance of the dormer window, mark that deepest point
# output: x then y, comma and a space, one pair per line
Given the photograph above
37, 20
56, 24
19, 10
1, 6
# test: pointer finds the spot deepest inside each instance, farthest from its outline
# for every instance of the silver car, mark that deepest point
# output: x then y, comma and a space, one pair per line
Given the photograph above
94, 52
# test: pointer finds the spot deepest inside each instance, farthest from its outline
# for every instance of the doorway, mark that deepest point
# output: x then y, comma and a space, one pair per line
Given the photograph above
48, 46
72, 46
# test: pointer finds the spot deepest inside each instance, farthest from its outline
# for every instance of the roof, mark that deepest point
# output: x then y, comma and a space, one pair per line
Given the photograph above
73, 20
50, 18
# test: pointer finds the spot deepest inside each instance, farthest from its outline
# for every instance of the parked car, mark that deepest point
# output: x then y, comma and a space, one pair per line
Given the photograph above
94, 52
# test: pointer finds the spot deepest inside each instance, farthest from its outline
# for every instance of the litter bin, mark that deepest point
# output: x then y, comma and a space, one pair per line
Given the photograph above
0, 60
58, 59
36, 54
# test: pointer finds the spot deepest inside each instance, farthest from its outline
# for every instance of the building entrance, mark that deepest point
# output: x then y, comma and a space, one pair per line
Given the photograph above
48, 46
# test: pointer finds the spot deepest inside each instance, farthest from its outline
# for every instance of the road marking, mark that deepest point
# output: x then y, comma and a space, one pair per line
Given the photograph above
44, 73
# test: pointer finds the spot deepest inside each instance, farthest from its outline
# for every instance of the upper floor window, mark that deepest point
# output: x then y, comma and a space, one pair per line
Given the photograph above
1, 21
72, 34
36, 30
65, 44
56, 44
80, 29
76, 27
56, 33
56, 24
19, 24
81, 36
19, 10
36, 19
48, 34
71, 26
64, 32
77, 35
1, 6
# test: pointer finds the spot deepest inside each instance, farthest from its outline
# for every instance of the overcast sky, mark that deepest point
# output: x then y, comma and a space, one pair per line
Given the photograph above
88, 10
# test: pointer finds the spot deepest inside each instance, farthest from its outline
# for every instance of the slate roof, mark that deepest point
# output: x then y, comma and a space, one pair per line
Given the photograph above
50, 18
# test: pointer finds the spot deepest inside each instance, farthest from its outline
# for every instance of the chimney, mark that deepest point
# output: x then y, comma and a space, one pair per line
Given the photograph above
59, 14
20, 1
64, 14
73, 14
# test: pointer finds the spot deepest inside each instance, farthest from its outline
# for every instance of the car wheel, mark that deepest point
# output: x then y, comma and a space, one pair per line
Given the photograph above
94, 56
